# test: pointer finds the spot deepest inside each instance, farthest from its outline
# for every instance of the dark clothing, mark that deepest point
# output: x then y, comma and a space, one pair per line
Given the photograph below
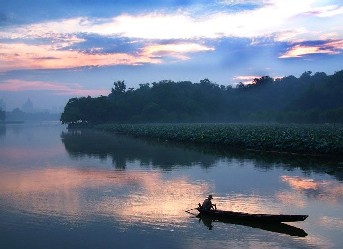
207, 205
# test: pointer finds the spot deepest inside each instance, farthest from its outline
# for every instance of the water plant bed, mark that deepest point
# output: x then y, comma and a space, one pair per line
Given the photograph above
301, 139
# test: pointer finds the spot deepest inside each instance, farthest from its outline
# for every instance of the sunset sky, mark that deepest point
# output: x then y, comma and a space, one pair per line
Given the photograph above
53, 50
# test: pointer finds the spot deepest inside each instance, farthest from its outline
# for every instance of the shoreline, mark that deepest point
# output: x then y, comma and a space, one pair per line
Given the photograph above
306, 140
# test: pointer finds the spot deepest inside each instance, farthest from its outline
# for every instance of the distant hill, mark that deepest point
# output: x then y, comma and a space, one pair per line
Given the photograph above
18, 115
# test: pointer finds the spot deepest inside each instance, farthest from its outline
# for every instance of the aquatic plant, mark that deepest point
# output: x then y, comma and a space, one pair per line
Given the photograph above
303, 139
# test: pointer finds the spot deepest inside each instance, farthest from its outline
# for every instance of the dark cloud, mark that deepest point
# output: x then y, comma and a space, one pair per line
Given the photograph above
333, 45
97, 44
312, 43
47, 58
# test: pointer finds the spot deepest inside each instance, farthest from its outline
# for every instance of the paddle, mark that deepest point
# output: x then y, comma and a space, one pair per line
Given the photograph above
187, 211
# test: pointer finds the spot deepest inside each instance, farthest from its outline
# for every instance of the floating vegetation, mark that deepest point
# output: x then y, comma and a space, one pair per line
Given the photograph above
302, 139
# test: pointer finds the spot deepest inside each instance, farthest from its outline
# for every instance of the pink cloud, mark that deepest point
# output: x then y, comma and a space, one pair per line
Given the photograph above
15, 85
23, 56
329, 47
176, 50
246, 79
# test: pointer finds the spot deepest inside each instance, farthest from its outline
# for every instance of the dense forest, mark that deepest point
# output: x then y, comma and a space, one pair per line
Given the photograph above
311, 98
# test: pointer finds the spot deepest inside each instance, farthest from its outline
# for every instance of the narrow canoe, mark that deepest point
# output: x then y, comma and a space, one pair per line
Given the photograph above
270, 218
275, 227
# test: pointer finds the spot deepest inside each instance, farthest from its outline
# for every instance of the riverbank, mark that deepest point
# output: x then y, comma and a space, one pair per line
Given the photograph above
299, 139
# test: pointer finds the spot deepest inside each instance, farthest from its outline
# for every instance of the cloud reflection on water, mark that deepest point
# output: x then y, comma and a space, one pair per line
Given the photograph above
27, 154
326, 190
331, 222
128, 196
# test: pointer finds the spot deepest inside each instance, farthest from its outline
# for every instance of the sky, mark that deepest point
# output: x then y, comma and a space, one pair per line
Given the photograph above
54, 50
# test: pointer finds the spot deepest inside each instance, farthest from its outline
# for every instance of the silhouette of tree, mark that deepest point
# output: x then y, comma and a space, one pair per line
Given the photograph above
119, 87
310, 98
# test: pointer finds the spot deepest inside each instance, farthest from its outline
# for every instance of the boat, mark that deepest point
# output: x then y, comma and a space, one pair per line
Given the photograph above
267, 218
281, 228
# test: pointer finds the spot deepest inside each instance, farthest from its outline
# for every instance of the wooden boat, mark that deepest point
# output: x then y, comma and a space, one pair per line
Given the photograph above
268, 218
267, 226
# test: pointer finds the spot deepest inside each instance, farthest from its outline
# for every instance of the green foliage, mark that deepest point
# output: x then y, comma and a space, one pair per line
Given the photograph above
302, 139
308, 99
85, 110
119, 87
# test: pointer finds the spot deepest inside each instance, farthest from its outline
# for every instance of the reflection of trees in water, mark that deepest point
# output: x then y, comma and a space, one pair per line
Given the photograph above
167, 154
2, 130
122, 149
287, 161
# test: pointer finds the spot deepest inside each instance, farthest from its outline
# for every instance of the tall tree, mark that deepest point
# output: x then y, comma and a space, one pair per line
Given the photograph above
119, 87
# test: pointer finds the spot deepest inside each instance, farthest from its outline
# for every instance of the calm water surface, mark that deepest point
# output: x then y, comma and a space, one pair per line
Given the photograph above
87, 189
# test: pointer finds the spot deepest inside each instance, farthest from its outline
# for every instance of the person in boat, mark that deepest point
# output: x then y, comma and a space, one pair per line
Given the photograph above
207, 204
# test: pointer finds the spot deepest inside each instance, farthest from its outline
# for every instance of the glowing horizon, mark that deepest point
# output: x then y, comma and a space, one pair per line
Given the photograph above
223, 41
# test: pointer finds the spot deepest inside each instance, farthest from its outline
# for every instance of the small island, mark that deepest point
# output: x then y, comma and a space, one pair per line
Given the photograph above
293, 115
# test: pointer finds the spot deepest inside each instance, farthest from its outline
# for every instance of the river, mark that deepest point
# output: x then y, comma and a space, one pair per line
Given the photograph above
90, 189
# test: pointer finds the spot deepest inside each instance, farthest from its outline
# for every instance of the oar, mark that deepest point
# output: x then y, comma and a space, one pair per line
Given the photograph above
187, 211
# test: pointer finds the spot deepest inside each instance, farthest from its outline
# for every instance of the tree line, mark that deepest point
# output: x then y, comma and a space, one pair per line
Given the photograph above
311, 98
